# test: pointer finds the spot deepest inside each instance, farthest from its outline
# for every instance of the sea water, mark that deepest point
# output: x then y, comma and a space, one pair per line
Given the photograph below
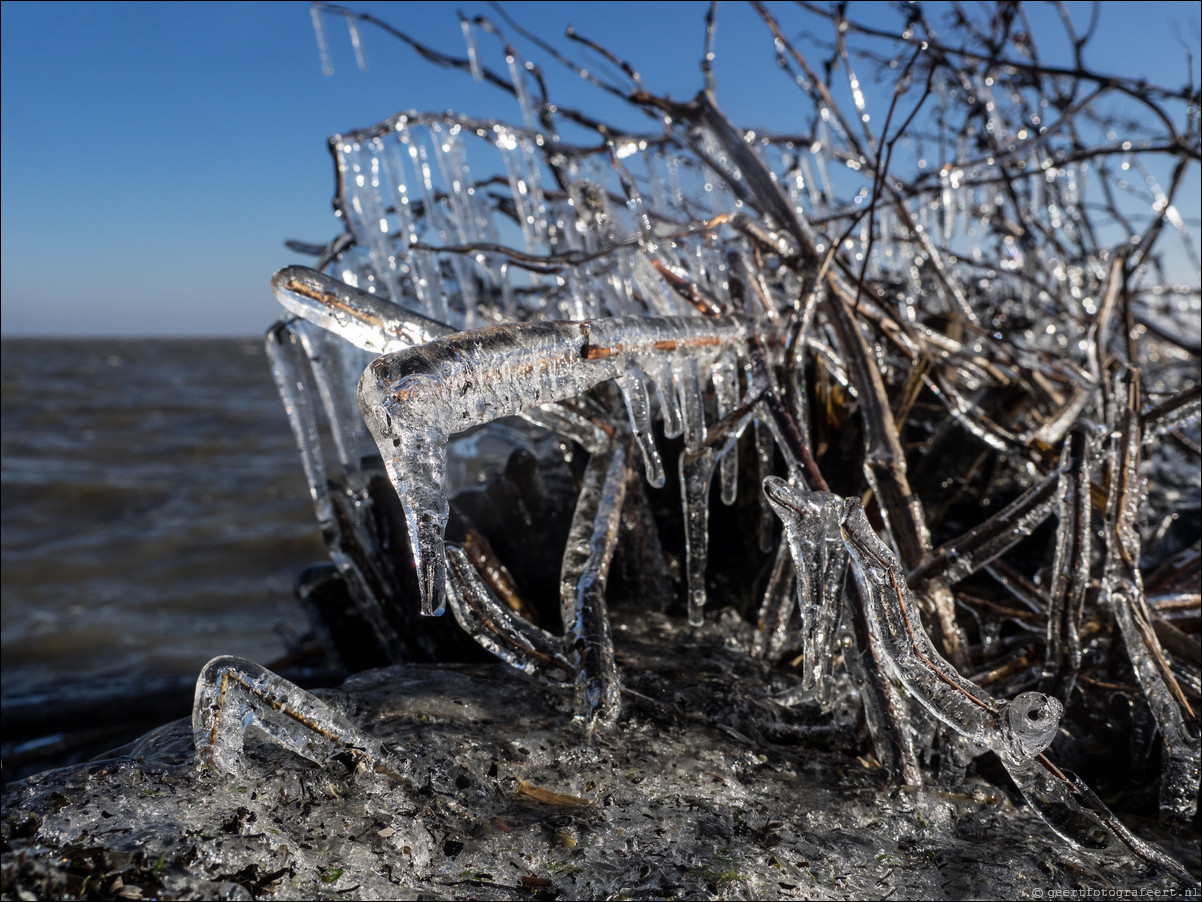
154, 513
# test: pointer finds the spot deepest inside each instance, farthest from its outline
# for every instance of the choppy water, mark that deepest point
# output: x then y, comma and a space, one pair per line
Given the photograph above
154, 510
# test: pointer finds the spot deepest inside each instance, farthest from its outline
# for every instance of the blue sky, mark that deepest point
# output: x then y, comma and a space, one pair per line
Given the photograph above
156, 156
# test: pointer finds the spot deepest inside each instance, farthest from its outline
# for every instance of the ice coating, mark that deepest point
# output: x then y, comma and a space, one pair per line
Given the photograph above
1123, 591
234, 695
1180, 770
1071, 564
765, 459
1058, 805
972, 551
1020, 730
1043, 317
286, 357
772, 627
365, 320
310, 369
512, 639
1029, 724
414, 400
582, 581
811, 521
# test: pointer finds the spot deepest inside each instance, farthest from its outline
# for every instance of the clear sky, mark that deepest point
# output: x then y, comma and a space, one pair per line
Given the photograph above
156, 156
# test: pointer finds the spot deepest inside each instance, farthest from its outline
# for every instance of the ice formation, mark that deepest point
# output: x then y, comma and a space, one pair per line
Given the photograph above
965, 349
414, 400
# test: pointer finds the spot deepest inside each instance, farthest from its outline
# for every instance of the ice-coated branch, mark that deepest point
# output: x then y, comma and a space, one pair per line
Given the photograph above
365, 320
582, 580
415, 400
234, 695
1020, 729
811, 522
1123, 591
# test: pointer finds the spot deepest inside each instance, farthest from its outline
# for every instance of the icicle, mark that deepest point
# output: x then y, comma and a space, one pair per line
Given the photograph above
513, 155
471, 218
425, 273
696, 472
323, 49
724, 375
946, 204
669, 403
473, 51
363, 205
687, 375
417, 467
437, 217
633, 386
352, 26
517, 72
285, 355
765, 453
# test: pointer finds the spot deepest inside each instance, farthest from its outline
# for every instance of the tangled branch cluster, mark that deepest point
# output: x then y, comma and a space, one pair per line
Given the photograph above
972, 318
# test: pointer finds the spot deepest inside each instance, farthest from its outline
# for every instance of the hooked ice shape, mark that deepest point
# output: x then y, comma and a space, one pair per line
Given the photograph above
234, 695
1017, 731
414, 400
1020, 729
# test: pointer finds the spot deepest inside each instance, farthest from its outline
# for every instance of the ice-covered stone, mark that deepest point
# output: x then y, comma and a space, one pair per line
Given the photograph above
709, 789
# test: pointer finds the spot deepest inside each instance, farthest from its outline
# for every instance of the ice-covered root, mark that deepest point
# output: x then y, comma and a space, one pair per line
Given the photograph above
586, 653
1076, 814
234, 696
